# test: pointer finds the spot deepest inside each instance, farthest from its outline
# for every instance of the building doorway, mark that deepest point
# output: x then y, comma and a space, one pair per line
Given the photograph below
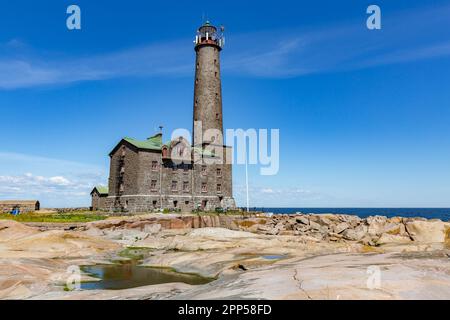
204, 204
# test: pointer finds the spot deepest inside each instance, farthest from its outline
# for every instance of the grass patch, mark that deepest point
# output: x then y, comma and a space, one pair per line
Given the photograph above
56, 217
135, 253
247, 223
370, 249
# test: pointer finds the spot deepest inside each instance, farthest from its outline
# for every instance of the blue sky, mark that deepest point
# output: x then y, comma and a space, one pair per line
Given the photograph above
363, 115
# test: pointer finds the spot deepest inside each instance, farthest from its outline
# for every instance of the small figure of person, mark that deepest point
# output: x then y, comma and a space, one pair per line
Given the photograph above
15, 211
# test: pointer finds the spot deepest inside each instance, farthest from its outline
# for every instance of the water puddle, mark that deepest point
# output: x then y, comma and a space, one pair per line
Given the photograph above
273, 257
125, 274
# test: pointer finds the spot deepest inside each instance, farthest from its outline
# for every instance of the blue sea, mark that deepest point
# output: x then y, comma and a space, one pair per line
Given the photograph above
429, 213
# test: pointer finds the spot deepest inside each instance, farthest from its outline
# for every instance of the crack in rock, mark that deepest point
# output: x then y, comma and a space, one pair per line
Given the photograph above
300, 282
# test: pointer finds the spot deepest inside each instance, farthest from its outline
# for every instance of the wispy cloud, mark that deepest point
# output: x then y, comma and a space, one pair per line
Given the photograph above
55, 182
32, 184
31, 70
51, 191
406, 36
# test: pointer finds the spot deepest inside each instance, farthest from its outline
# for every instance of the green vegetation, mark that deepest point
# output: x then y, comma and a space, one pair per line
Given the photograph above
134, 253
54, 217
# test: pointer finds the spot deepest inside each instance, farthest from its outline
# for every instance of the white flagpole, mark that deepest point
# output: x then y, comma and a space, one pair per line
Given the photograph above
246, 179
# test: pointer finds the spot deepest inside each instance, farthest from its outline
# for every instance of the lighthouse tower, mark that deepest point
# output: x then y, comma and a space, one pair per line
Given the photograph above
212, 182
208, 125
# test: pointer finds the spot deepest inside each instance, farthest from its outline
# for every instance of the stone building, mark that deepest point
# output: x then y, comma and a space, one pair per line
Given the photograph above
99, 195
149, 174
23, 206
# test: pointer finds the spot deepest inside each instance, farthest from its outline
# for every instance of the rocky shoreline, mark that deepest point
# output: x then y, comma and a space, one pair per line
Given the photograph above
302, 256
372, 231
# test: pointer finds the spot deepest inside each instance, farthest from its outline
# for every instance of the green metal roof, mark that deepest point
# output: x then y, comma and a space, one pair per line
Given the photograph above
155, 143
102, 189
152, 143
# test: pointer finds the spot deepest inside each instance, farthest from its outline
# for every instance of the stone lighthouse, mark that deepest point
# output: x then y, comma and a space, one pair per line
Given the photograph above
208, 125
214, 163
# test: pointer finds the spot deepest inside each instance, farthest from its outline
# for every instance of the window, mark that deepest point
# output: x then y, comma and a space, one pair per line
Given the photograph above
198, 65
186, 168
174, 185
204, 187
219, 188
124, 151
203, 170
155, 203
219, 172
215, 74
196, 81
154, 165
186, 202
175, 204
153, 185
121, 187
217, 116
185, 186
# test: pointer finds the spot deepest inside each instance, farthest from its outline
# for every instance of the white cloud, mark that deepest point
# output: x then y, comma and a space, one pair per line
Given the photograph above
406, 36
150, 60
61, 181
36, 184
36, 187
54, 182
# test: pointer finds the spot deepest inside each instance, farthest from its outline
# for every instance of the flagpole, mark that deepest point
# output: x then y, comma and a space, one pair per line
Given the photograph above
246, 179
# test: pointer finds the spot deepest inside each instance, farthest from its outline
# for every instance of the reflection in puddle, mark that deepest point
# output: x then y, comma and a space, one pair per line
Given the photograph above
124, 276
128, 274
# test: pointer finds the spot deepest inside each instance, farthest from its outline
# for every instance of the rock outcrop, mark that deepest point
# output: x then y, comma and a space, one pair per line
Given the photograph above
427, 231
280, 257
373, 230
